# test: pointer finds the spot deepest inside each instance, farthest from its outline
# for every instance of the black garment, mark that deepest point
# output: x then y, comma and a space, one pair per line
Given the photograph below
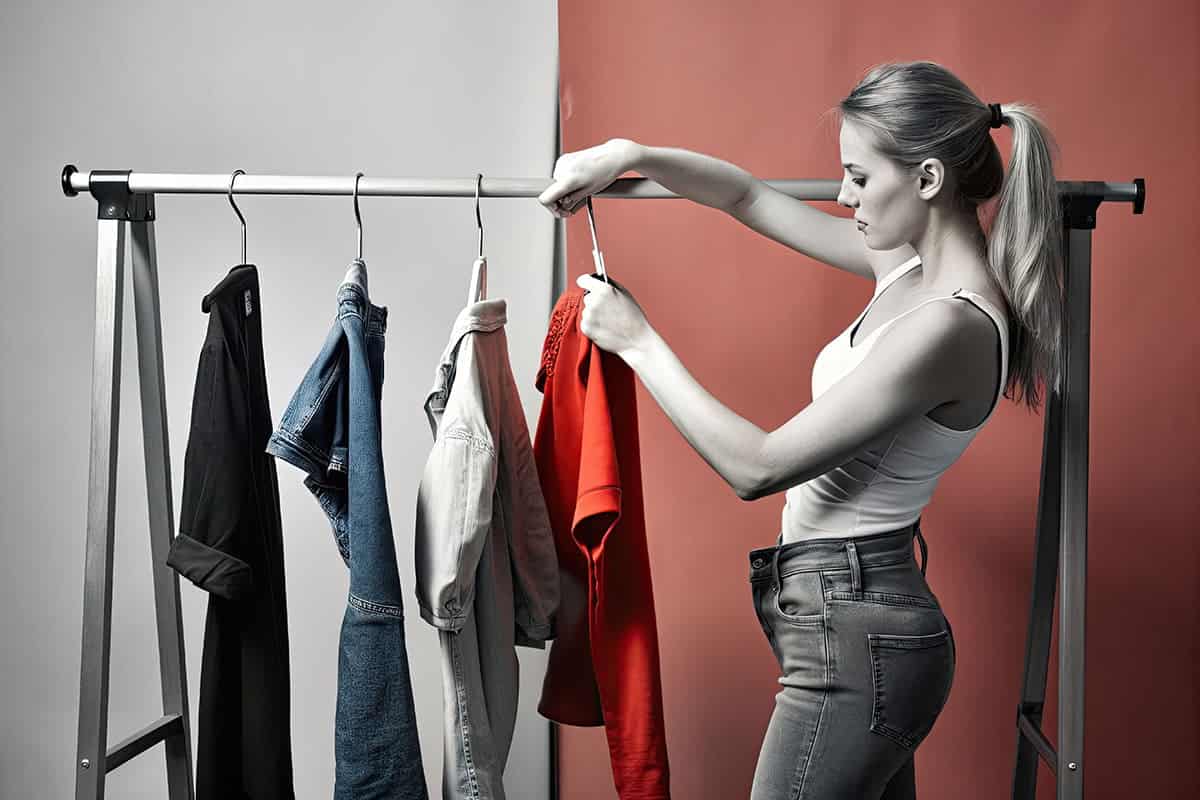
230, 544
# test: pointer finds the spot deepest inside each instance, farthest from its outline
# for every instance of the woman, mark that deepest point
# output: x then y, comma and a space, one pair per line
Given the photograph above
866, 653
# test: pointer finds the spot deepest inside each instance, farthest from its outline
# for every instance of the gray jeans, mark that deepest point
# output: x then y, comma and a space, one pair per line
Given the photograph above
867, 658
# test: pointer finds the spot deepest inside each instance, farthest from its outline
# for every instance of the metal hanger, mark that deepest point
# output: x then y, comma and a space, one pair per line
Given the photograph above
478, 288
232, 178
357, 215
597, 256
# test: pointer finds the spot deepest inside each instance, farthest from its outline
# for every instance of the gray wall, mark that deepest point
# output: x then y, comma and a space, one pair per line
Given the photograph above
433, 90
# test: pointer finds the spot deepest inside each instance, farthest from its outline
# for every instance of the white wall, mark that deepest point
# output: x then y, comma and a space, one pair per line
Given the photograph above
391, 89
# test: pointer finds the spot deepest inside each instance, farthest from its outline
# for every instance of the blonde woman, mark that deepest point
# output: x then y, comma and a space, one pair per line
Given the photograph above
958, 317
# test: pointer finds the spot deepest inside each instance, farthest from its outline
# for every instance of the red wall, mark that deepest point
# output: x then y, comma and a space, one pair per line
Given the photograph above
748, 83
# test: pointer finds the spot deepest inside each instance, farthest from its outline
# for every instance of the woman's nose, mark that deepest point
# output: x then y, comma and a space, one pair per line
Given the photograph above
843, 198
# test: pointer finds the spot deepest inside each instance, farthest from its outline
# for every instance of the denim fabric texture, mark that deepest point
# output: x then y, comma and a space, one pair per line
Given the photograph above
867, 660
331, 430
230, 544
486, 568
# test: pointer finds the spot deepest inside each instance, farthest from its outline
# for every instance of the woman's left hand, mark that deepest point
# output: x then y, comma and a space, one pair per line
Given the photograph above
611, 318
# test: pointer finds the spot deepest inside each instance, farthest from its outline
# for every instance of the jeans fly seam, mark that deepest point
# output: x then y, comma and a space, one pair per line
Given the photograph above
812, 745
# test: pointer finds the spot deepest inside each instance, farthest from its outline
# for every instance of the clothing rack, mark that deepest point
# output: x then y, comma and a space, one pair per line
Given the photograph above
126, 206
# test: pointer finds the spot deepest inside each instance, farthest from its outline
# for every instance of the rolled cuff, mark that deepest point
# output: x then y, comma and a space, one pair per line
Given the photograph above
534, 634
440, 622
210, 569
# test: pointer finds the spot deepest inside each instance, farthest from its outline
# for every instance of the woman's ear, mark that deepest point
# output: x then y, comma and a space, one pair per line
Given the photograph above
932, 177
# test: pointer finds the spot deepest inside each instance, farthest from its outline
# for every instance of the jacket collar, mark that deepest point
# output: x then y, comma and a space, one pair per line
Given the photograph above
237, 277
484, 315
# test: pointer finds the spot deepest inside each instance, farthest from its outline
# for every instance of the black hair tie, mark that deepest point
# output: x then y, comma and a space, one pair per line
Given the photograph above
997, 117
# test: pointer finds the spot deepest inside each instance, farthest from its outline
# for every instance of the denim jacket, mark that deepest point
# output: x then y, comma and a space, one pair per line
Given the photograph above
480, 488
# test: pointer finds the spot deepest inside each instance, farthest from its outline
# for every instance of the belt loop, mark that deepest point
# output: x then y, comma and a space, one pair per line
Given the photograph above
855, 570
921, 541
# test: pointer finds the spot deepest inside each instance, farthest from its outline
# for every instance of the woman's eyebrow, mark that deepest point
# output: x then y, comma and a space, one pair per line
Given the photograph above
852, 165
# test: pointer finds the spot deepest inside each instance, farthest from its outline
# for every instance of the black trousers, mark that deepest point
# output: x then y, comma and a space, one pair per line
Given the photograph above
230, 544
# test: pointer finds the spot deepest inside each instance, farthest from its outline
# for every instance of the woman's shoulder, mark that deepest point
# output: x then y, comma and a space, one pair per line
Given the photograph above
993, 297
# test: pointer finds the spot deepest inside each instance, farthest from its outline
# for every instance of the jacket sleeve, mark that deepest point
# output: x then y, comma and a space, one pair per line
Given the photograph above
534, 557
208, 550
454, 501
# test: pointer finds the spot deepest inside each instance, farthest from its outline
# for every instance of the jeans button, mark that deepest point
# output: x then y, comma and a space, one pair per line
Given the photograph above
758, 562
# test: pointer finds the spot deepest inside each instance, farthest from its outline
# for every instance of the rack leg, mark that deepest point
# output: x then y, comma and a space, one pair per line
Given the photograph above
1073, 548
90, 761
1041, 613
172, 663
1062, 540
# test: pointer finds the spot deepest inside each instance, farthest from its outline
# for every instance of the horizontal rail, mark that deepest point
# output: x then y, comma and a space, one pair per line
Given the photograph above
75, 181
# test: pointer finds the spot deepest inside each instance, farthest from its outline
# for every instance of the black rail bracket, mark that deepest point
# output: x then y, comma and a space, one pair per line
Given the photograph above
114, 199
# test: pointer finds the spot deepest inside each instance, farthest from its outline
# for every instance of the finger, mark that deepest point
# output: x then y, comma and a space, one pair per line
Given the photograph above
551, 193
569, 202
588, 283
593, 284
554, 193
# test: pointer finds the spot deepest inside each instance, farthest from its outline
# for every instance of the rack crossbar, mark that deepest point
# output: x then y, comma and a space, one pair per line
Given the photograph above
75, 181
144, 739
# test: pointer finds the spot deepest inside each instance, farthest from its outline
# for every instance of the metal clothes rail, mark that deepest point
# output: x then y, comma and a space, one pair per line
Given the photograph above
125, 201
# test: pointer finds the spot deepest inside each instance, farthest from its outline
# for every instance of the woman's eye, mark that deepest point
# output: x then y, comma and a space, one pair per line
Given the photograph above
859, 181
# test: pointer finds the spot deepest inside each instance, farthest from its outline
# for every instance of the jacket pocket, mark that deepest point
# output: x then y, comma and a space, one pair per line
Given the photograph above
912, 677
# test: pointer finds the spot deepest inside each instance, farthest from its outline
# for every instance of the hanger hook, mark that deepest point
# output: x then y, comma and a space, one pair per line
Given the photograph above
357, 215
236, 210
478, 218
597, 256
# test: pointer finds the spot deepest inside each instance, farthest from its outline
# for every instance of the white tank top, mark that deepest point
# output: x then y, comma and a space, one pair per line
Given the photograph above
888, 483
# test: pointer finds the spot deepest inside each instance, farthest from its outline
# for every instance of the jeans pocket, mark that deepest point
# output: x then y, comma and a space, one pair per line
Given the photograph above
800, 599
912, 677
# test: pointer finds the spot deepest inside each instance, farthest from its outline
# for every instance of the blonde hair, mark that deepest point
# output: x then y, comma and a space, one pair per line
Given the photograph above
919, 110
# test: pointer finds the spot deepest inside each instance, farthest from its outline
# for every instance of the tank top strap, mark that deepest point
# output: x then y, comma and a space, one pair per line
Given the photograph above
884, 282
889, 278
875, 334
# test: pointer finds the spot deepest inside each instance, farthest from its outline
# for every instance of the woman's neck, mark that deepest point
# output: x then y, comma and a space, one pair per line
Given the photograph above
953, 250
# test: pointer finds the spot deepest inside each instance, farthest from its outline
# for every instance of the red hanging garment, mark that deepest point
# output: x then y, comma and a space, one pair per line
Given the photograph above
603, 666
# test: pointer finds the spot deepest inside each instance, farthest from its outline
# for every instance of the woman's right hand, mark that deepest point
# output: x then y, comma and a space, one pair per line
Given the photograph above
581, 174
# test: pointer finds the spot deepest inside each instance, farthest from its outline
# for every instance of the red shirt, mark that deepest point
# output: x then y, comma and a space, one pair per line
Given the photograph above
603, 666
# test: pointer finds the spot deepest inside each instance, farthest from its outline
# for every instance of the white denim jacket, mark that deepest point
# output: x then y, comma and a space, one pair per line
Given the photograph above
480, 489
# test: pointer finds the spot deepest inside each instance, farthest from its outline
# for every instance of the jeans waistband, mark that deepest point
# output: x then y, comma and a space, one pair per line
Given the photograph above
856, 553
353, 301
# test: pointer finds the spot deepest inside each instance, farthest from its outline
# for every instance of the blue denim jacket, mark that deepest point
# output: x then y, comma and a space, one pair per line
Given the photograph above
480, 483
